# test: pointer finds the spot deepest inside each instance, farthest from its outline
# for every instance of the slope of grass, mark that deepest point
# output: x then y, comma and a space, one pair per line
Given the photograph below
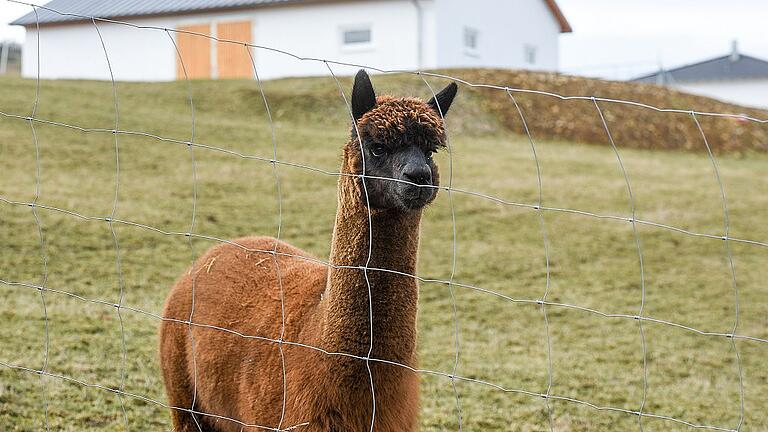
593, 261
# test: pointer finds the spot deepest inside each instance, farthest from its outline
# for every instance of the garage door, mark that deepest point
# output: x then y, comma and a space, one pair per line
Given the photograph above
195, 51
232, 59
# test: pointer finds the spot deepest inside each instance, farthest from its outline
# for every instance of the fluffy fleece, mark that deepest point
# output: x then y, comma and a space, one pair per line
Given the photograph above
237, 288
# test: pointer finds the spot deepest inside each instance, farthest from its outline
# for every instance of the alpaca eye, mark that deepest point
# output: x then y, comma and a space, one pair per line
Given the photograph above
378, 150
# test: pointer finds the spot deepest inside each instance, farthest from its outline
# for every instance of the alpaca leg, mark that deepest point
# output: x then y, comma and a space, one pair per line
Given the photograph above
178, 386
184, 421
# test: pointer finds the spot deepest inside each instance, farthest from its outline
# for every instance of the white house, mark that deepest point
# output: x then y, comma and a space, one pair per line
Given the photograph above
735, 78
390, 34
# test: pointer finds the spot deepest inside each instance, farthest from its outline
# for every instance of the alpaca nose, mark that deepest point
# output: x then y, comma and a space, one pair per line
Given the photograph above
419, 174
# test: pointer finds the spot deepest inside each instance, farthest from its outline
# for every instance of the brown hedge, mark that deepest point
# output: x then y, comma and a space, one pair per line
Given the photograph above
578, 120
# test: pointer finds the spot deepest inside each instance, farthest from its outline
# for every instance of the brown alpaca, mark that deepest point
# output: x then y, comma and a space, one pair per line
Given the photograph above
237, 288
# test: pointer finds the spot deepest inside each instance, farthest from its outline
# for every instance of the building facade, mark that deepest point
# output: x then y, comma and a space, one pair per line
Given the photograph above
388, 34
734, 78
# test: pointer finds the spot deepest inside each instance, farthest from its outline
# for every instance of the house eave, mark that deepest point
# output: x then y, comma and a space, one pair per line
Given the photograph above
565, 26
77, 19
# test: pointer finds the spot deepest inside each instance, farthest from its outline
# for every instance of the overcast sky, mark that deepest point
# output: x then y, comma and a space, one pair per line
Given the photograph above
632, 36
9, 12
620, 38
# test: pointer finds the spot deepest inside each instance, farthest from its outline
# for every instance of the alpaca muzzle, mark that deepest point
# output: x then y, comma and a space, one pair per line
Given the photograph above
417, 193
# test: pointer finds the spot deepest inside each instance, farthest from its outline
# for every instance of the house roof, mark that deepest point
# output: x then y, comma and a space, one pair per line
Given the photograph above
730, 67
565, 26
135, 8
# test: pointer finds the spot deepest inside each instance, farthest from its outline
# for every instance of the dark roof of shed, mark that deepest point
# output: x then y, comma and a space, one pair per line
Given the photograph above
729, 67
79, 9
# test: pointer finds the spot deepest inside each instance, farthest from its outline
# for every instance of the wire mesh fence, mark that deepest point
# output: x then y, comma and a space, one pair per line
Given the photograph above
640, 409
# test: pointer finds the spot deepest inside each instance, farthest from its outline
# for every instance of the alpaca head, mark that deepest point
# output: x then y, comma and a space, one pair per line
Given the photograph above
399, 137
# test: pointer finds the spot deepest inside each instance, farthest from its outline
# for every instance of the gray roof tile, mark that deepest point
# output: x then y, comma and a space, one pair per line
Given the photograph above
720, 68
133, 8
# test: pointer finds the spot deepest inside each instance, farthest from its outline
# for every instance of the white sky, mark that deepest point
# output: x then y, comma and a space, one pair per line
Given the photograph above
619, 38
9, 12
627, 37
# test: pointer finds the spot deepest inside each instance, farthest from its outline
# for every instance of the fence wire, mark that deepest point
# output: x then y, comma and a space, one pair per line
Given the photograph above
545, 241
40, 233
542, 303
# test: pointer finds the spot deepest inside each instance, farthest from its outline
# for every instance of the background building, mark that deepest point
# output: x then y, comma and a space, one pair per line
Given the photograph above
735, 78
10, 58
391, 34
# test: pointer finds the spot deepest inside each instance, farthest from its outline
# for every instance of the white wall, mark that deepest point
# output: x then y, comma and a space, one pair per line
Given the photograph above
315, 31
505, 27
74, 51
753, 93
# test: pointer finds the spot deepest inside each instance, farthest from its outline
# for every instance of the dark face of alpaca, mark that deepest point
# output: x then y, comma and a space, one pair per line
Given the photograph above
399, 137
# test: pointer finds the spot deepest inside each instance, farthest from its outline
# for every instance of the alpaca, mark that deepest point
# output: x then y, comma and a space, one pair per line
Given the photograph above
238, 288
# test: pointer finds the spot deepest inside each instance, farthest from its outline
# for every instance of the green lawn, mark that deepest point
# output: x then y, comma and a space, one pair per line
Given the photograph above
500, 249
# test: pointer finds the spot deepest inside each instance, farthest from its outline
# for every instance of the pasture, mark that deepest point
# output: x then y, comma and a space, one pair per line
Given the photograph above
500, 264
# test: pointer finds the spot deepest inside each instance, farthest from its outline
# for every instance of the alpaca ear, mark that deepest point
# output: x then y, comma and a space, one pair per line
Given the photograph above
442, 101
363, 96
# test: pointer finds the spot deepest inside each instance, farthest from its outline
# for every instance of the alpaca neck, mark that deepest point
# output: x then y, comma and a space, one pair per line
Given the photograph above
393, 297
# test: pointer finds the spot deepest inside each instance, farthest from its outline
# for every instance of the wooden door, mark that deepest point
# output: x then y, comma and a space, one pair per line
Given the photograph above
232, 59
195, 51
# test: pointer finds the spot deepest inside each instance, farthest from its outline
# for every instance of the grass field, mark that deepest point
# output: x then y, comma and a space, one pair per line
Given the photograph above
593, 261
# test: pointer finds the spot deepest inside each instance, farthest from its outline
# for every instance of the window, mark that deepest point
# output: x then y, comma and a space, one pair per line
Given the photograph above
529, 52
470, 39
356, 37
